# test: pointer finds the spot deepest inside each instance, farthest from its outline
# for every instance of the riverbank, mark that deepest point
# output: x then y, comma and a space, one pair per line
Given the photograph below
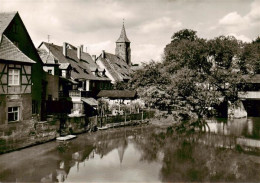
24, 134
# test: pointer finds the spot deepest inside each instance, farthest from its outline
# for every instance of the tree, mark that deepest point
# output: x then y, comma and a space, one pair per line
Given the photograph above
194, 76
151, 82
185, 34
249, 58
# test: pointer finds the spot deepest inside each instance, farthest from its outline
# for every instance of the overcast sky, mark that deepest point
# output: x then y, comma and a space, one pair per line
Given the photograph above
149, 23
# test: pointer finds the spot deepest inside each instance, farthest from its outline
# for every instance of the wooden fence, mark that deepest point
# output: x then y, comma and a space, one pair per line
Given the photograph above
109, 120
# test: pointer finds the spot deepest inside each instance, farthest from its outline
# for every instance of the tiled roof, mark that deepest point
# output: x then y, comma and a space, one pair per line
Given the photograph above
47, 58
118, 94
64, 65
116, 66
68, 80
5, 20
90, 101
88, 61
9, 52
80, 70
123, 38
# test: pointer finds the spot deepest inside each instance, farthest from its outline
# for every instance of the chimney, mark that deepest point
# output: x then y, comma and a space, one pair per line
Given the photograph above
86, 49
79, 52
81, 48
64, 51
103, 54
94, 57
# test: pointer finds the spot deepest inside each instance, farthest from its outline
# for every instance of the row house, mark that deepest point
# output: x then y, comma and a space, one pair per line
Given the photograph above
80, 78
21, 73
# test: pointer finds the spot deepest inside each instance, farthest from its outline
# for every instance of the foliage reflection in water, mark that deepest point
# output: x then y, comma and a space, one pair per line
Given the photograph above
141, 154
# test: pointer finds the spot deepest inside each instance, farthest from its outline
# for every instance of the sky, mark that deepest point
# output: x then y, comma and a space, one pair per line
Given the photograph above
149, 23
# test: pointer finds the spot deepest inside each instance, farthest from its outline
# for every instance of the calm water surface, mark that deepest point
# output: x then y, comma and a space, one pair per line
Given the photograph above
230, 152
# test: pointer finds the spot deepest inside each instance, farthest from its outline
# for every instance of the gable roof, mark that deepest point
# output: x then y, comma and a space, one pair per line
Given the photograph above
46, 57
10, 52
117, 94
80, 69
5, 20
116, 66
123, 38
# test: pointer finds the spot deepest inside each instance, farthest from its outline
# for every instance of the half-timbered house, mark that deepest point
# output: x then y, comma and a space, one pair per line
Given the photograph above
15, 83
21, 73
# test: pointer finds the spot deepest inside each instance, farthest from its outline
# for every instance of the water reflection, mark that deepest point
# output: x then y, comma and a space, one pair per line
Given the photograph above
142, 154
247, 127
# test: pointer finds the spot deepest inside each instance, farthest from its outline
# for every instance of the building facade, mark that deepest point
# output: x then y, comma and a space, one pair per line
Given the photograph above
21, 71
80, 77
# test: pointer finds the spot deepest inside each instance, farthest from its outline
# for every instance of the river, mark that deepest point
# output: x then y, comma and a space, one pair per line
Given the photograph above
229, 152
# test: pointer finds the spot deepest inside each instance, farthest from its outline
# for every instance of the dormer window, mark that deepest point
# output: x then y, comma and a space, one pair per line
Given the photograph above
85, 71
75, 70
63, 73
104, 72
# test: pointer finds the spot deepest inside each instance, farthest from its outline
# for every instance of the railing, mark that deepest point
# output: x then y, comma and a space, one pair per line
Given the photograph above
74, 93
102, 121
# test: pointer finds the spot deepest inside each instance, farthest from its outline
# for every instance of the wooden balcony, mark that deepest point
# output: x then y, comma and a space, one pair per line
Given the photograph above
74, 93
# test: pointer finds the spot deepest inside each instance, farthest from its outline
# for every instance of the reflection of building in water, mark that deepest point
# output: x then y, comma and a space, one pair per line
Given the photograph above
236, 127
121, 150
107, 144
48, 178
250, 126
61, 172
71, 158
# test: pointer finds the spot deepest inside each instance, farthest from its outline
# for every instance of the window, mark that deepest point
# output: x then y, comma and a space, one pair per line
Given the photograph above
13, 114
14, 77
63, 73
49, 71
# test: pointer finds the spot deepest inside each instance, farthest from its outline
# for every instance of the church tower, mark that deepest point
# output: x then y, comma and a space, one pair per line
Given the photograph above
123, 46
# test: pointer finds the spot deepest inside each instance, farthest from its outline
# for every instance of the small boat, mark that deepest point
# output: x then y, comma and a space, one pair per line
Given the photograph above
103, 128
65, 138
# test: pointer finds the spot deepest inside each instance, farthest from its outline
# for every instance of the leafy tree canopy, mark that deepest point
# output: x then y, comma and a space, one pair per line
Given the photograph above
196, 75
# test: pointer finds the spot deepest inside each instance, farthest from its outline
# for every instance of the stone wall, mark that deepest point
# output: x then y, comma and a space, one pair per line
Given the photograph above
26, 133
23, 101
76, 124
236, 110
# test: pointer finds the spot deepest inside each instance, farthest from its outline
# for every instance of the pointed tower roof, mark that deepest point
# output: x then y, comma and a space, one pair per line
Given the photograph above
123, 38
